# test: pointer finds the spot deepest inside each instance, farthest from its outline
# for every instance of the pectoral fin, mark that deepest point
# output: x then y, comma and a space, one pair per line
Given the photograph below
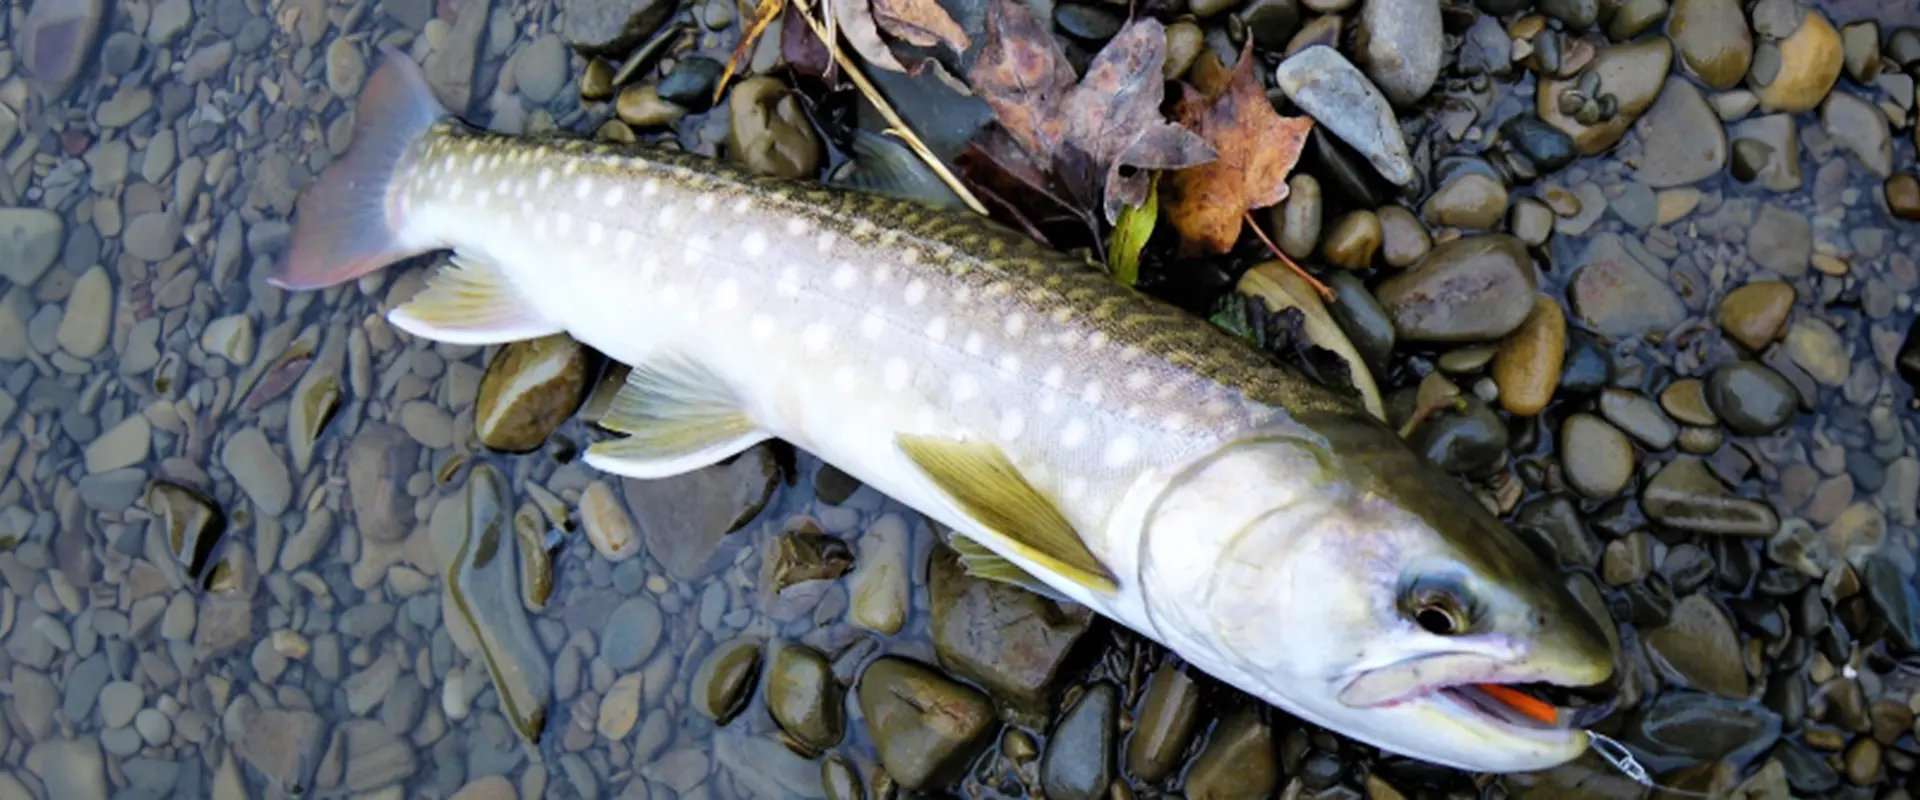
470, 301
980, 479
678, 417
985, 564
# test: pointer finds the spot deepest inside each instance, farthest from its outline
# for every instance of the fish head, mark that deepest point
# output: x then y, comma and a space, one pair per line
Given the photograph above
1340, 576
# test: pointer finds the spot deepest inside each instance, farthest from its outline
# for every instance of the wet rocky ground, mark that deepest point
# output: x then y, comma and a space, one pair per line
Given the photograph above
257, 544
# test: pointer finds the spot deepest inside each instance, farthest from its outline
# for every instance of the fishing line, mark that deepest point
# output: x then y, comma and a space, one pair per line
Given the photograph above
1622, 759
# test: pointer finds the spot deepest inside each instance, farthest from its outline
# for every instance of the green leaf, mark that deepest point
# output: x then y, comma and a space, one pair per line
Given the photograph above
1130, 235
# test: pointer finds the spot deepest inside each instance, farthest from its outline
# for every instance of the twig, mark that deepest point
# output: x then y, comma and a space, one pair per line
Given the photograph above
899, 127
1325, 293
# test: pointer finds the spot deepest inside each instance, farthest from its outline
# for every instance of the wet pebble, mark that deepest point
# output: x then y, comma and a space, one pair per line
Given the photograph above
1353, 240
724, 681
1469, 200
1639, 417
1618, 295
1078, 763
1712, 39
1527, 365
803, 697
1597, 457
1685, 495
1477, 288
1795, 73
769, 133
1756, 314
1403, 240
1699, 647
632, 633
925, 727
528, 389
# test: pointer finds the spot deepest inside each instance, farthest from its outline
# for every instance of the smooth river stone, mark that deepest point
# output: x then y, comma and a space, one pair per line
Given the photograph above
473, 538
1340, 98
1681, 138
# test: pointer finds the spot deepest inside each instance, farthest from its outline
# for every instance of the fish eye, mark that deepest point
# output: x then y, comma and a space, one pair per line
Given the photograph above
1439, 606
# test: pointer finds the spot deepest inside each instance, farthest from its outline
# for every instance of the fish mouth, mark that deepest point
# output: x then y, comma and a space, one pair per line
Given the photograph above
1477, 688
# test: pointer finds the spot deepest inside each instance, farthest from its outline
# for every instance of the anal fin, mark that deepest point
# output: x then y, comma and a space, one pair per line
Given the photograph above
978, 477
678, 416
470, 301
985, 564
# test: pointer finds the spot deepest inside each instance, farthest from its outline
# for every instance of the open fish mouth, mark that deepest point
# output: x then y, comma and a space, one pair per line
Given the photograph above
1480, 688
1534, 706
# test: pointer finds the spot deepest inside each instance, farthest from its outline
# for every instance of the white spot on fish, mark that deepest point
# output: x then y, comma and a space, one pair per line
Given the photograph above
755, 243
705, 203
975, 343
568, 168
937, 329
583, 188
1096, 340
1216, 407
503, 187
1139, 379
882, 273
761, 327
544, 179
697, 246
1055, 377
1130, 352
962, 294
1009, 365
650, 188
845, 379
1012, 424
1074, 434
456, 188
916, 292
519, 188
825, 242
872, 324
910, 256
896, 374
816, 338
740, 205
1120, 452
1075, 489
624, 241
1014, 323
615, 195
1049, 402
789, 283
473, 145
1175, 421
727, 295
796, 226
965, 387
1092, 394
844, 276
494, 162
666, 215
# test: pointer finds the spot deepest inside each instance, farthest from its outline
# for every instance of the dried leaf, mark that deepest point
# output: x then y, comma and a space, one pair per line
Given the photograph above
921, 23
1130, 235
1257, 149
1281, 288
801, 48
1099, 135
1022, 74
855, 20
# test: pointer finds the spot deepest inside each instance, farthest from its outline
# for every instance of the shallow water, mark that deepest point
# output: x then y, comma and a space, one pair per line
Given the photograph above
314, 653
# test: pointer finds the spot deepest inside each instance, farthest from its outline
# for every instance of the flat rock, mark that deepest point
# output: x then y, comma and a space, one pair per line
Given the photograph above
607, 27
89, 316
1681, 138
379, 460
56, 41
261, 473
1403, 47
70, 768
1618, 295
30, 240
1340, 98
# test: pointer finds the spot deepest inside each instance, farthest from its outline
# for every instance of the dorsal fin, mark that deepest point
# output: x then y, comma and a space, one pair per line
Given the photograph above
978, 477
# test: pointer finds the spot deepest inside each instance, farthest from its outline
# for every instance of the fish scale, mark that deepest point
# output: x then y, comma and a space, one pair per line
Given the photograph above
1074, 436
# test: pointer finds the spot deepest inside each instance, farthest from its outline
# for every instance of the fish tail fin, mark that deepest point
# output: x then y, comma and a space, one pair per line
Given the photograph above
345, 226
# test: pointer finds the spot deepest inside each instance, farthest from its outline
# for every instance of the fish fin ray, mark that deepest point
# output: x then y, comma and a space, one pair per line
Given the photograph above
985, 564
343, 225
678, 416
470, 301
978, 477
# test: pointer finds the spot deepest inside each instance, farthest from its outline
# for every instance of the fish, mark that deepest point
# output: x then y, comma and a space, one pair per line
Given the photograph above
1068, 434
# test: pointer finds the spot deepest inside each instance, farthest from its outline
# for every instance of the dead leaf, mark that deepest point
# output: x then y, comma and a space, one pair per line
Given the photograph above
1099, 135
800, 48
921, 23
855, 20
1257, 149
1280, 288
1022, 74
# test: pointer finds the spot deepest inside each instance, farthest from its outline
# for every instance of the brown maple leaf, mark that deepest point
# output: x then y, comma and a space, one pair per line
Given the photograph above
1022, 74
1257, 149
